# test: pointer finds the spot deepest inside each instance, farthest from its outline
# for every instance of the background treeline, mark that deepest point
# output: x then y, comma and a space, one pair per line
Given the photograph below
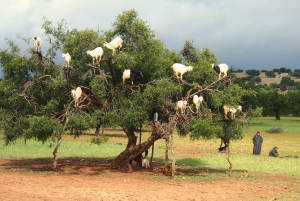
277, 99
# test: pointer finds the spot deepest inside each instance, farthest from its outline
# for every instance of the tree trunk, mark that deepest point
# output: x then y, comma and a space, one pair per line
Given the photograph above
174, 159
97, 131
230, 164
55, 157
167, 151
152, 152
121, 162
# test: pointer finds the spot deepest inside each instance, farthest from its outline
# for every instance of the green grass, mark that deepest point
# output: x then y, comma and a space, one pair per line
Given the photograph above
197, 155
286, 123
69, 148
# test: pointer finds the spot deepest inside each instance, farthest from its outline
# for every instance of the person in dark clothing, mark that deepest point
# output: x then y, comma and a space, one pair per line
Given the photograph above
274, 152
257, 141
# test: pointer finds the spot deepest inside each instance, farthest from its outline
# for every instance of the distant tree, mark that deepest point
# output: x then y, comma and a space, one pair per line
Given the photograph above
274, 85
270, 74
297, 85
276, 70
274, 103
263, 71
293, 106
297, 70
296, 74
287, 81
288, 70
282, 70
238, 71
253, 72
257, 79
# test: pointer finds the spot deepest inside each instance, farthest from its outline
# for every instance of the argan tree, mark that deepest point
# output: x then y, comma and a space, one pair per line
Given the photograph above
36, 90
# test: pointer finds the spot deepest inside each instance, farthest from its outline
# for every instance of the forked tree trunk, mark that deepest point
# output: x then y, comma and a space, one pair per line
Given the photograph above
121, 162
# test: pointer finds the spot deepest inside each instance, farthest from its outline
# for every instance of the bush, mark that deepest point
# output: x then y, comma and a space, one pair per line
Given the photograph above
274, 130
98, 141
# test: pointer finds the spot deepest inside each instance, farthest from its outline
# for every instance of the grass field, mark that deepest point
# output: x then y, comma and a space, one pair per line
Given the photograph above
267, 80
192, 154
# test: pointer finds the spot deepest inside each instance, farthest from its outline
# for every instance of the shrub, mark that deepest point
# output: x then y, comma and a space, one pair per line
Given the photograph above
98, 141
274, 130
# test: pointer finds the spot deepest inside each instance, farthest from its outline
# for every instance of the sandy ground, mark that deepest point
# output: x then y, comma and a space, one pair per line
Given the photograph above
93, 180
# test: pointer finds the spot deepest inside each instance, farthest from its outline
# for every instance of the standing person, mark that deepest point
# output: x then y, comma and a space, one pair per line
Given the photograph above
274, 152
257, 141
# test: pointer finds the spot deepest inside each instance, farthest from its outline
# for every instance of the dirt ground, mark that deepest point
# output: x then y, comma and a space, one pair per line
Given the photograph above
91, 179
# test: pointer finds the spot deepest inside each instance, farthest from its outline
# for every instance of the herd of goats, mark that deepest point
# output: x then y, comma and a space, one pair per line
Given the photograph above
116, 44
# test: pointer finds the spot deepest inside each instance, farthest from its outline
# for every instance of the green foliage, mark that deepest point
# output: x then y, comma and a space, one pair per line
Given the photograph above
14, 128
257, 79
98, 141
205, 129
42, 128
274, 130
296, 74
270, 74
77, 123
287, 81
253, 72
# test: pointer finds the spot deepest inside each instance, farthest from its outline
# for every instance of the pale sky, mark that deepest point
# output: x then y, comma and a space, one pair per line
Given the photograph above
245, 34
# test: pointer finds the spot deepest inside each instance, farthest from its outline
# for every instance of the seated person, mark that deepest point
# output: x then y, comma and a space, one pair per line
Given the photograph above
274, 152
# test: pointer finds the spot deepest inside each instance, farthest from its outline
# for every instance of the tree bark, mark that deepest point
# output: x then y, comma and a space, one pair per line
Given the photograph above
152, 152
121, 162
55, 157
174, 159
167, 151
230, 164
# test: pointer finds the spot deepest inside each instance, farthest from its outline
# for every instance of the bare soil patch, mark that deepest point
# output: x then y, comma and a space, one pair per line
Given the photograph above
92, 179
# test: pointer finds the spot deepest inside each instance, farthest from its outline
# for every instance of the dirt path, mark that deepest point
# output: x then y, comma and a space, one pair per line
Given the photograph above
33, 180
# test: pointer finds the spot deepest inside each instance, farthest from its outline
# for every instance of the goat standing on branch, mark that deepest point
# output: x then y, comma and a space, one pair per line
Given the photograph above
76, 95
67, 58
180, 68
197, 100
232, 111
181, 106
96, 54
38, 44
116, 43
221, 68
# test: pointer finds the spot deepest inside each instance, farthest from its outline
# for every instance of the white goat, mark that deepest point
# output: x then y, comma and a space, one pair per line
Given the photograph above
181, 106
76, 95
180, 68
116, 43
221, 68
145, 163
67, 58
197, 100
232, 111
38, 43
96, 54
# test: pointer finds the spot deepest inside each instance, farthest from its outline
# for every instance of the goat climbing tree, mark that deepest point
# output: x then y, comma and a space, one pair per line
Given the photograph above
46, 99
